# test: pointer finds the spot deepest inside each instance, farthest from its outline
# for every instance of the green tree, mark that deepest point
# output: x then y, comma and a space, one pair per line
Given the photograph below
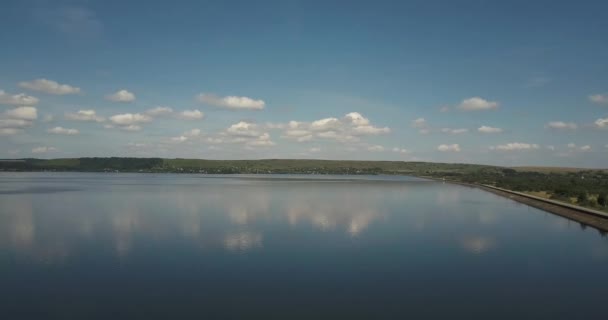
601, 199
582, 198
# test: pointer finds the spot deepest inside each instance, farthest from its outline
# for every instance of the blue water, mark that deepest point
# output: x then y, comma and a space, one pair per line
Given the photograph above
127, 246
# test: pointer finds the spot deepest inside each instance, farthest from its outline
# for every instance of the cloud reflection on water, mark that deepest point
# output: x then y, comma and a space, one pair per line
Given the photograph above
22, 229
19, 231
243, 241
245, 217
477, 244
231, 218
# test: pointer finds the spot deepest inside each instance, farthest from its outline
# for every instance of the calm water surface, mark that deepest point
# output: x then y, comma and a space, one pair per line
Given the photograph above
117, 246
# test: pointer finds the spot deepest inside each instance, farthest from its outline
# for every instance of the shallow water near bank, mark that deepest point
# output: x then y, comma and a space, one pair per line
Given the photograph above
95, 245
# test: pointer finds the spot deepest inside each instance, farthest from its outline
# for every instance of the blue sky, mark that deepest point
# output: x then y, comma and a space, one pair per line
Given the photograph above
495, 82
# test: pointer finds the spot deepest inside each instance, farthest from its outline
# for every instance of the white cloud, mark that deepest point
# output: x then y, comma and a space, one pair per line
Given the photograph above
304, 138
601, 123
213, 140
9, 131
328, 135
187, 136
347, 129
13, 121
243, 129
296, 133
300, 135
193, 133
137, 145
325, 124
560, 125
314, 150
400, 150
449, 147
121, 96
552, 148
17, 99
357, 119
514, 146
127, 119
599, 98
131, 127
247, 133
231, 102
444, 109
84, 115
454, 131
44, 149
477, 103
179, 139
48, 118
273, 125
293, 124
370, 130
191, 115
62, 130
159, 111
23, 113
261, 141
49, 86
375, 148
419, 123
573, 147
362, 126
338, 136
422, 125
350, 128
488, 129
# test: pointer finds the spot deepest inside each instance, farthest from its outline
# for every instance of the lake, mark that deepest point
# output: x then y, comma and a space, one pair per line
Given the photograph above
126, 246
